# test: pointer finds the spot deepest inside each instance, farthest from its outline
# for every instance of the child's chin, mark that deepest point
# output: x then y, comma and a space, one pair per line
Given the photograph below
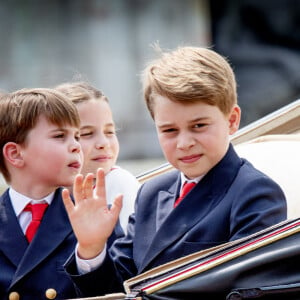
70, 181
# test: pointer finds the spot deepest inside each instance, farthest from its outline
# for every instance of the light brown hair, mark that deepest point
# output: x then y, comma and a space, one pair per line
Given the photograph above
20, 110
80, 91
191, 74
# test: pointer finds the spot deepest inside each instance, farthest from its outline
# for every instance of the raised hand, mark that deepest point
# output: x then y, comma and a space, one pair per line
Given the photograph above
91, 219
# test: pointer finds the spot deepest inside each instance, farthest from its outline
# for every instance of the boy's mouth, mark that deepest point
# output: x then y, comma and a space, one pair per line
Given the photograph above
75, 165
190, 158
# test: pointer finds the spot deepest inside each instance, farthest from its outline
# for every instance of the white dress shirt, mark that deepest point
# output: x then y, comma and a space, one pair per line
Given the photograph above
19, 202
185, 179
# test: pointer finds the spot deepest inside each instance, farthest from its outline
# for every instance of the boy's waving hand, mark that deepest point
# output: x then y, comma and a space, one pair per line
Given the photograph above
92, 220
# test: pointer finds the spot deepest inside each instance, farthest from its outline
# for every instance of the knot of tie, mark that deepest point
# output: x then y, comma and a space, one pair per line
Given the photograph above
37, 211
187, 186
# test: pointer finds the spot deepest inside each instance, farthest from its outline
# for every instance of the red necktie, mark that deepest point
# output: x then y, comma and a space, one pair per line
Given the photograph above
187, 186
37, 211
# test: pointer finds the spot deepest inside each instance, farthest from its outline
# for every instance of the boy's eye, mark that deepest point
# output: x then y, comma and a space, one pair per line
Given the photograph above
169, 130
59, 136
200, 125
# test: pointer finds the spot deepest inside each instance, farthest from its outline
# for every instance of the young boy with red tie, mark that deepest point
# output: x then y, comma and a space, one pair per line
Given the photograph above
191, 95
40, 152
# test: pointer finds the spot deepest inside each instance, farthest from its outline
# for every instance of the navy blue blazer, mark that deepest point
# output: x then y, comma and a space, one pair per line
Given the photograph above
231, 201
32, 269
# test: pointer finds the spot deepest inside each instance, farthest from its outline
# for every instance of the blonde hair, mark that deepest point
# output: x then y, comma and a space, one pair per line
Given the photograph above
191, 74
80, 91
20, 110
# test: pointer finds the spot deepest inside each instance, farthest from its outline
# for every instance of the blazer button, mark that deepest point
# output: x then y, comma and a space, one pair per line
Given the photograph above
14, 296
51, 294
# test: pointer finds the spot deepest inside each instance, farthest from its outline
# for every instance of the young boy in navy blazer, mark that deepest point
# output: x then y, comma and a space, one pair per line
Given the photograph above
40, 152
191, 95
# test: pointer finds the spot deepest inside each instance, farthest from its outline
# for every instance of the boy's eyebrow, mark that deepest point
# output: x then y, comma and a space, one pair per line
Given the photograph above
59, 128
56, 130
163, 125
197, 119
86, 126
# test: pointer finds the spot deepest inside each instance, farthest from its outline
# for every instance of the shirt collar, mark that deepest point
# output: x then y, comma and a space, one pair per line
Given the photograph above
185, 179
19, 201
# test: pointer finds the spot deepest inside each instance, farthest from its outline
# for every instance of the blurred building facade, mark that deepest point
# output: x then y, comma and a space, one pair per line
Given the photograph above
107, 42
262, 41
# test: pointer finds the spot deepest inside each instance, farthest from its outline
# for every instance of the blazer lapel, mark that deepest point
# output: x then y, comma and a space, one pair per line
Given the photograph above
53, 230
206, 194
13, 243
166, 202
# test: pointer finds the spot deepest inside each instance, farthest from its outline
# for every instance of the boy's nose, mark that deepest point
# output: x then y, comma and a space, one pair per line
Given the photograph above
76, 147
185, 140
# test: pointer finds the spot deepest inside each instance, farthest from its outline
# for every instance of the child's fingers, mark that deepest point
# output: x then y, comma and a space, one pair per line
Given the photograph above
100, 184
88, 185
77, 188
117, 206
69, 205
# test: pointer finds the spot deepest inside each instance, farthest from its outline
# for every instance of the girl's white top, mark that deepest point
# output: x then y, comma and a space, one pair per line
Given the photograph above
120, 181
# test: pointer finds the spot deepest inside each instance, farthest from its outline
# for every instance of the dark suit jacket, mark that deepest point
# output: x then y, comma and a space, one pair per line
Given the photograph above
231, 201
32, 269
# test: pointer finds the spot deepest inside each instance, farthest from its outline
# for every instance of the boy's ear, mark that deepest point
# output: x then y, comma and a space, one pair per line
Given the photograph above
12, 154
234, 119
